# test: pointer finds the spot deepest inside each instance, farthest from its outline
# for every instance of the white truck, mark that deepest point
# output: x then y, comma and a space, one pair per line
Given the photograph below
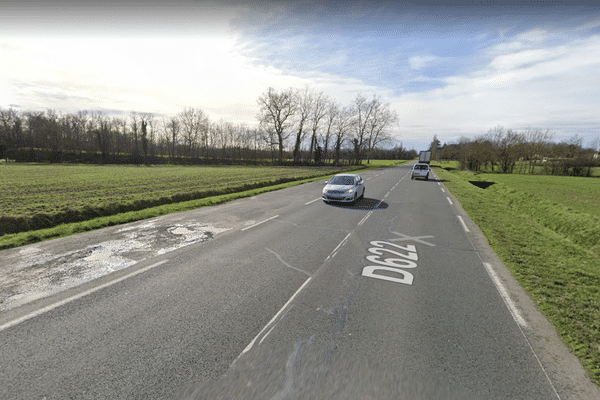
425, 157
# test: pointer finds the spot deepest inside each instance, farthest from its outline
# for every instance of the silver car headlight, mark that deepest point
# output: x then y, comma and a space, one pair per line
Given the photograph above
349, 190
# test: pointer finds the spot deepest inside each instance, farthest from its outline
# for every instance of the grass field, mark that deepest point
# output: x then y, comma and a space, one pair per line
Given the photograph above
41, 196
546, 229
41, 201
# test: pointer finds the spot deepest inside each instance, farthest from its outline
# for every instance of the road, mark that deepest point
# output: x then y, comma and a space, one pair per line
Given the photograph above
281, 296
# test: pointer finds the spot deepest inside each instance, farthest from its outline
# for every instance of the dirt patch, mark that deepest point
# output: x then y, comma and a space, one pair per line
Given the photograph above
33, 273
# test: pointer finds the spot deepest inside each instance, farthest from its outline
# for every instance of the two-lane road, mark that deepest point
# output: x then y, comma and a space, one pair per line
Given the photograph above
291, 298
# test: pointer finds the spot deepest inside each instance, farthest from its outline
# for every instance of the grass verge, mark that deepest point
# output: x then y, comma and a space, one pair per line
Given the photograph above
550, 243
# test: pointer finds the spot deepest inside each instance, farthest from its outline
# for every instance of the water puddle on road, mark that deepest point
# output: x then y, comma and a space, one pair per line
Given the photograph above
33, 273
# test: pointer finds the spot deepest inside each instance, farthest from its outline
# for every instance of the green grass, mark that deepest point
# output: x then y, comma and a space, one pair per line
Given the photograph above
546, 230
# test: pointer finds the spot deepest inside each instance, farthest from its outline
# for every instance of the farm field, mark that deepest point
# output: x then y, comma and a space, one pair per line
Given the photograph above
546, 229
42, 196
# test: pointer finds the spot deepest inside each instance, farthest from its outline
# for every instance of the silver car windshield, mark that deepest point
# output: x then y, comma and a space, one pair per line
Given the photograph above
342, 180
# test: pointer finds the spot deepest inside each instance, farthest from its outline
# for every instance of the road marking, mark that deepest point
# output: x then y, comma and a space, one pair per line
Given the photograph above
362, 221
462, 222
413, 238
502, 290
261, 222
443, 190
312, 201
449, 201
78, 296
273, 319
334, 252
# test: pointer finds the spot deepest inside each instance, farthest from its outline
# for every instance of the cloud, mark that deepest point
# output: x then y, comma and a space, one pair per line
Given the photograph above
419, 62
516, 88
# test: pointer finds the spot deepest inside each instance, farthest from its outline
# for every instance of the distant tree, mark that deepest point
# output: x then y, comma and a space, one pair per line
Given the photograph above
11, 131
381, 121
304, 101
172, 128
330, 116
194, 124
435, 148
362, 110
508, 146
145, 141
101, 128
276, 113
134, 131
318, 114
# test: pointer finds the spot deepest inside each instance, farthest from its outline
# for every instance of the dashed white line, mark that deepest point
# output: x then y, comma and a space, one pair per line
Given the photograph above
312, 201
78, 296
449, 201
365, 218
261, 222
334, 252
274, 318
462, 222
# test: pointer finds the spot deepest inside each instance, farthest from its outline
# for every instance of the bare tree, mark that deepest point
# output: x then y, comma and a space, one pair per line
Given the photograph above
508, 145
101, 128
304, 102
276, 112
172, 128
11, 131
382, 120
319, 112
134, 131
343, 124
362, 114
193, 121
331, 112
536, 146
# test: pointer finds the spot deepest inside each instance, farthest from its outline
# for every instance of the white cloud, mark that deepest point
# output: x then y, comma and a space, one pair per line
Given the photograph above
519, 89
418, 62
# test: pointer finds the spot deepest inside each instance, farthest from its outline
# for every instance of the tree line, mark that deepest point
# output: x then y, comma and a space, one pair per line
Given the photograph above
301, 125
528, 151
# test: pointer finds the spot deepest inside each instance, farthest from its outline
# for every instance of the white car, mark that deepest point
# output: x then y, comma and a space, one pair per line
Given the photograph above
347, 188
420, 170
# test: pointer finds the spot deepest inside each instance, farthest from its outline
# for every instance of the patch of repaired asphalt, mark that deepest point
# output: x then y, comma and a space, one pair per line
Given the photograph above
32, 273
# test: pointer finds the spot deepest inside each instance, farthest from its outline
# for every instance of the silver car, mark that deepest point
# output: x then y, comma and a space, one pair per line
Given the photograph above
420, 170
346, 188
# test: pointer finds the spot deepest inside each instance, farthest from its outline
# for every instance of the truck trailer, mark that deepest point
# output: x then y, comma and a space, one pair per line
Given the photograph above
424, 157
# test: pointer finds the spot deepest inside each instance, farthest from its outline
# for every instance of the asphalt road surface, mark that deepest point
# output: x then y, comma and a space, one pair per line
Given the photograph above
281, 296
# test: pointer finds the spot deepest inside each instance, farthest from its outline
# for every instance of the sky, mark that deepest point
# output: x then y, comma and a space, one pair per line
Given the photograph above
449, 68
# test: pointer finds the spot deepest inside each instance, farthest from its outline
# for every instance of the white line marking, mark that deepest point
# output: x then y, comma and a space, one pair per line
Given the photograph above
333, 253
462, 222
502, 290
516, 315
78, 296
266, 334
312, 201
365, 218
261, 222
449, 201
274, 317
443, 190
